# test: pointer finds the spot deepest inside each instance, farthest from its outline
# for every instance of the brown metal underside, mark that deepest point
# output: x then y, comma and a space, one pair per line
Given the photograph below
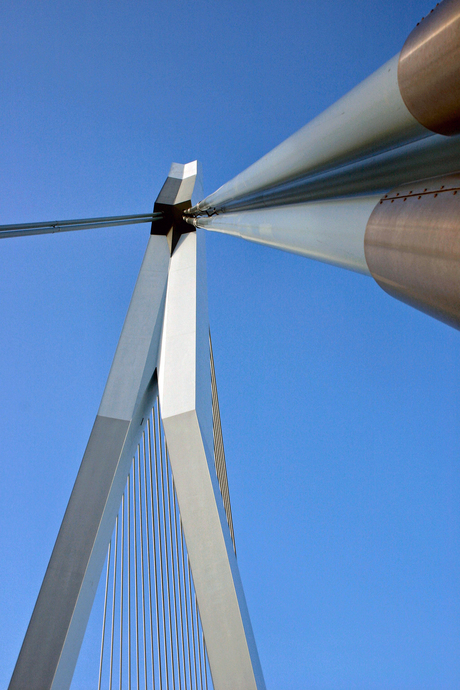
429, 69
412, 246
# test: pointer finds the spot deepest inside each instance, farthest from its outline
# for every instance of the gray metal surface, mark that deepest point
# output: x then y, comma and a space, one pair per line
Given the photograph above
330, 231
52, 642
434, 155
369, 119
186, 407
136, 354
55, 630
181, 184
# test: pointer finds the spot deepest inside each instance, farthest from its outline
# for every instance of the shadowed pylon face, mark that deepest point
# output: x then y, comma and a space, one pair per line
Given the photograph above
182, 189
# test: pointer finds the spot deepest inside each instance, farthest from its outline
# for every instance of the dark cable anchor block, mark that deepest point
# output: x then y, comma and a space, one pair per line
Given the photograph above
173, 200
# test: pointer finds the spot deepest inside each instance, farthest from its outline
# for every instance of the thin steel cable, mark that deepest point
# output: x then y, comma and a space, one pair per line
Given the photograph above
198, 627
122, 572
205, 657
128, 494
185, 604
105, 614
158, 428
52, 226
142, 565
192, 619
181, 619
114, 589
219, 453
155, 569
136, 599
168, 476
174, 647
168, 593
148, 532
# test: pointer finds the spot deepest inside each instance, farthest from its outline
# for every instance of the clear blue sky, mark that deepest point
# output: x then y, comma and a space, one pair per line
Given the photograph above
339, 405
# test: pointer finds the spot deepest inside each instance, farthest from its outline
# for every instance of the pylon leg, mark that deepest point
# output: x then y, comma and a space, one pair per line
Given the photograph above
186, 408
52, 643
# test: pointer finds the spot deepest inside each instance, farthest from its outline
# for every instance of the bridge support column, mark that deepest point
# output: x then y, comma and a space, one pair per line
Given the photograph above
186, 408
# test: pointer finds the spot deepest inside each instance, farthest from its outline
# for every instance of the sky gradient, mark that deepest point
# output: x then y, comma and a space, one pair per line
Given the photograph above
339, 404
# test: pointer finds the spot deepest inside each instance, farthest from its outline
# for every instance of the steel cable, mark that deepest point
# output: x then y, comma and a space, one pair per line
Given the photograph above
160, 544
136, 599
139, 486
155, 568
114, 588
150, 579
122, 572
105, 615
147, 532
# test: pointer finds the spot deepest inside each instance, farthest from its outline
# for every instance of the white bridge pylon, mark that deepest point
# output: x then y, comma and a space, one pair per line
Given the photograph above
163, 348
371, 185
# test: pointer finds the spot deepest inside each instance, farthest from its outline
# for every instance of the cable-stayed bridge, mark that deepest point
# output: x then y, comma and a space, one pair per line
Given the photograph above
387, 207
